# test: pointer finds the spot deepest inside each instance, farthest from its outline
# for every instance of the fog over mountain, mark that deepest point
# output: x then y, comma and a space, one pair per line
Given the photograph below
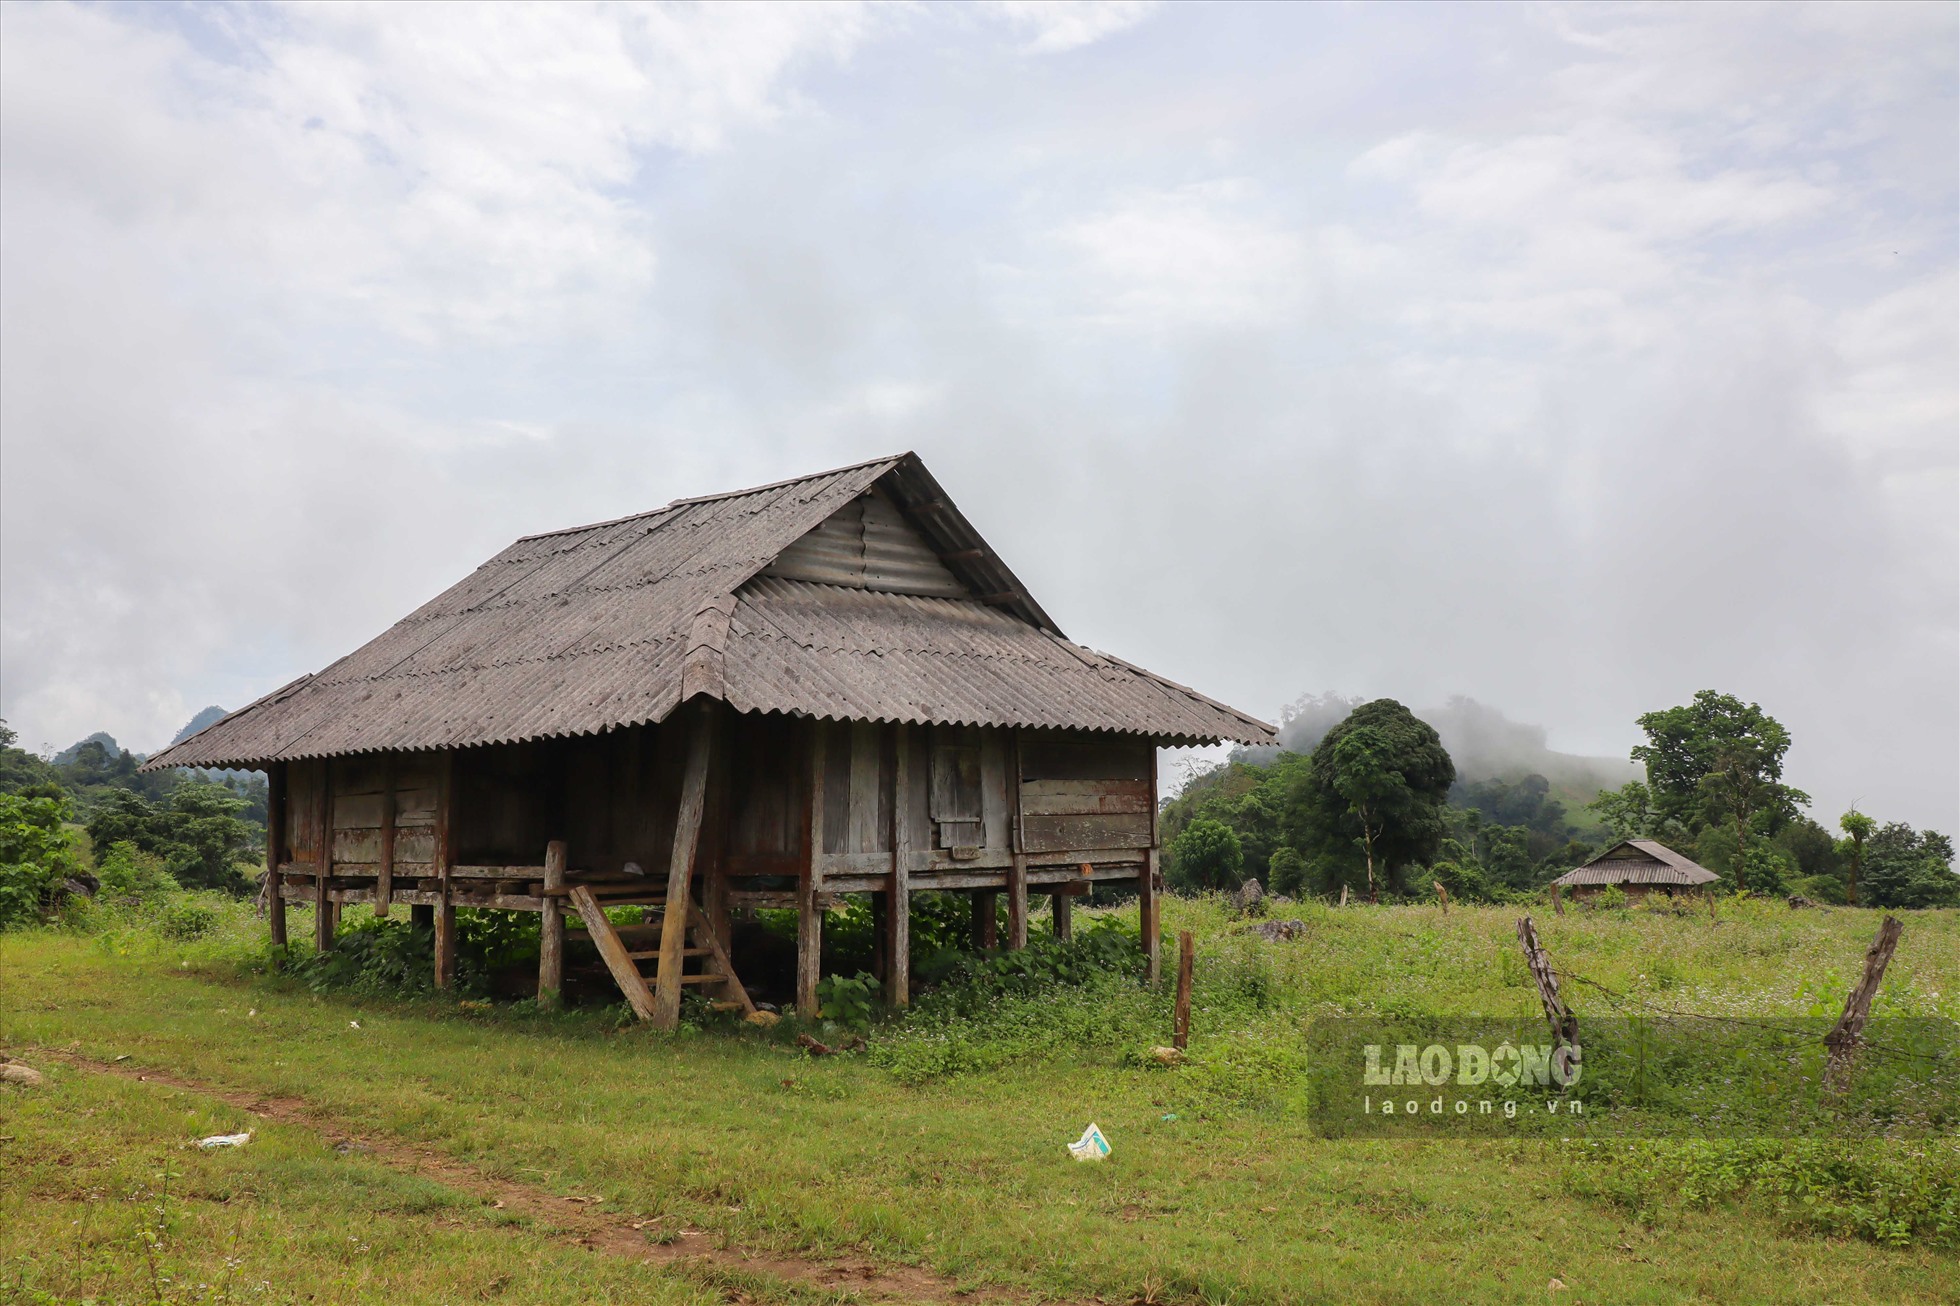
1483, 742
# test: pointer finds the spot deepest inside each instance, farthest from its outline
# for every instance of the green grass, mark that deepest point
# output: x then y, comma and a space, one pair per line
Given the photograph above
944, 1146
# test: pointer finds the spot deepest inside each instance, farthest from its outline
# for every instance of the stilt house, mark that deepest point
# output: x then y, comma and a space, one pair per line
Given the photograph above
766, 698
1637, 867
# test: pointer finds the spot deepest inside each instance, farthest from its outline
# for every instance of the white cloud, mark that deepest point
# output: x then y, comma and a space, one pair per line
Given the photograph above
1057, 26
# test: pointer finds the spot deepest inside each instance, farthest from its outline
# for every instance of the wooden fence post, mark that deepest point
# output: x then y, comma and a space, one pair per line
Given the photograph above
551, 927
1844, 1038
1558, 899
1181, 1029
1442, 896
1565, 1025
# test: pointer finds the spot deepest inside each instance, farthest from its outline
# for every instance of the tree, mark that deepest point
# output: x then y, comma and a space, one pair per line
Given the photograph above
34, 855
1379, 781
196, 832
1719, 759
1207, 856
1859, 827
1628, 812
1904, 868
21, 771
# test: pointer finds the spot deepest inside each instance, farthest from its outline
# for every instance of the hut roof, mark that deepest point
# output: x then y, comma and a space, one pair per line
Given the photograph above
615, 624
1638, 861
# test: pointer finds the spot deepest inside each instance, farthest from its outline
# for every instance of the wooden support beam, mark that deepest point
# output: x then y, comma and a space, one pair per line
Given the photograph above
275, 849
551, 928
1017, 903
323, 913
614, 954
384, 879
1149, 885
680, 868
1064, 908
712, 948
898, 919
443, 857
1017, 870
809, 889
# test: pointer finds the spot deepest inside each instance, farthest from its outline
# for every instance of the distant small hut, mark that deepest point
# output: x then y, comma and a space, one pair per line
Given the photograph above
762, 699
1638, 867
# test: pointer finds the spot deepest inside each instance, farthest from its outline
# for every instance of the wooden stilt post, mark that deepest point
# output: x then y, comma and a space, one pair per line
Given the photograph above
323, 921
1017, 870
1845, 1036
1064, 908
1148, 924
809, 890
1181, 1028
986, 921
275, 850
898, 918
1017, 902
384, 874
551, 928
680, 867
443, 857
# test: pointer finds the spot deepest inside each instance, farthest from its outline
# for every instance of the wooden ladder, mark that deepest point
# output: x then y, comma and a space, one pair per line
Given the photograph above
624, 961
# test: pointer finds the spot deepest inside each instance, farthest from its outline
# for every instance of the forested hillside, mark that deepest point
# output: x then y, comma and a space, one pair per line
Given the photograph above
1375, 801
90, 820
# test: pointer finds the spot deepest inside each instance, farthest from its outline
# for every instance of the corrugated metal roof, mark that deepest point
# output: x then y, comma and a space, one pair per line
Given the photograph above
590, 629
1638, 861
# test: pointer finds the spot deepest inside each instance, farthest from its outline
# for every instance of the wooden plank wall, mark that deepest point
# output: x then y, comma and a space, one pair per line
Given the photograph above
361, 788
1081, 791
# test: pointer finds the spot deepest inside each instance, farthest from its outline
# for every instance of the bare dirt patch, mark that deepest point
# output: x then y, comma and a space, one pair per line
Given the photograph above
571, 1219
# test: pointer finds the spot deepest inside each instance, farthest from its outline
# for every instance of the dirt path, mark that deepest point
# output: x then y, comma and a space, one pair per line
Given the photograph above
571, 1219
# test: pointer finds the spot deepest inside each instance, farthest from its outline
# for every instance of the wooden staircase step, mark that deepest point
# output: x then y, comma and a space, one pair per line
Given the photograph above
655, 952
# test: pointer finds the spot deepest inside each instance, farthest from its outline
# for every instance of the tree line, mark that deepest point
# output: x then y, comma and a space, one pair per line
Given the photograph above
145, 831
1377, 809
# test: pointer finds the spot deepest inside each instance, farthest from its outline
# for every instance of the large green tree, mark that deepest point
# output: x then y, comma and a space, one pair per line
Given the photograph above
1378, 783
1718, 759
196, 831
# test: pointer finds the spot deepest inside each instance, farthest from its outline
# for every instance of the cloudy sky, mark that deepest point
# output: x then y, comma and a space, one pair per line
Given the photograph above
1573, 359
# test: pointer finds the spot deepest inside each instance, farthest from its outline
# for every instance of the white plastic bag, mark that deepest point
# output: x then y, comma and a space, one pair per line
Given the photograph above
1092, 1146
225, 1140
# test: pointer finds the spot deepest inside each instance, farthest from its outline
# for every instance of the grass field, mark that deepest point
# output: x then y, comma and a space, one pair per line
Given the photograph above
941, 1149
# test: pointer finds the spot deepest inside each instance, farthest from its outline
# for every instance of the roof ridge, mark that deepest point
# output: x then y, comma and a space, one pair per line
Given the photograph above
672, 504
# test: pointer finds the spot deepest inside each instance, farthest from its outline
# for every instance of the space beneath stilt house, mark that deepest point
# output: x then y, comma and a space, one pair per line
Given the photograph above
767, 699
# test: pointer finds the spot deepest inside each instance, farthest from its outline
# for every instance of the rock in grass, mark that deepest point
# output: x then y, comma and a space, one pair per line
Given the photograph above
15, 1073
1279, 931
763, 1018
1167, 1056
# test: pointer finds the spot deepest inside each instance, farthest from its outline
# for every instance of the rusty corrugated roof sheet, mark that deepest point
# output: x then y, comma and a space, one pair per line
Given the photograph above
1638, 861
598, 627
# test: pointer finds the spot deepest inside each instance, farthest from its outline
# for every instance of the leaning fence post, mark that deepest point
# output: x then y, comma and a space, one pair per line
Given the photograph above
1565, 1025
1442, 895
1845, 1036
